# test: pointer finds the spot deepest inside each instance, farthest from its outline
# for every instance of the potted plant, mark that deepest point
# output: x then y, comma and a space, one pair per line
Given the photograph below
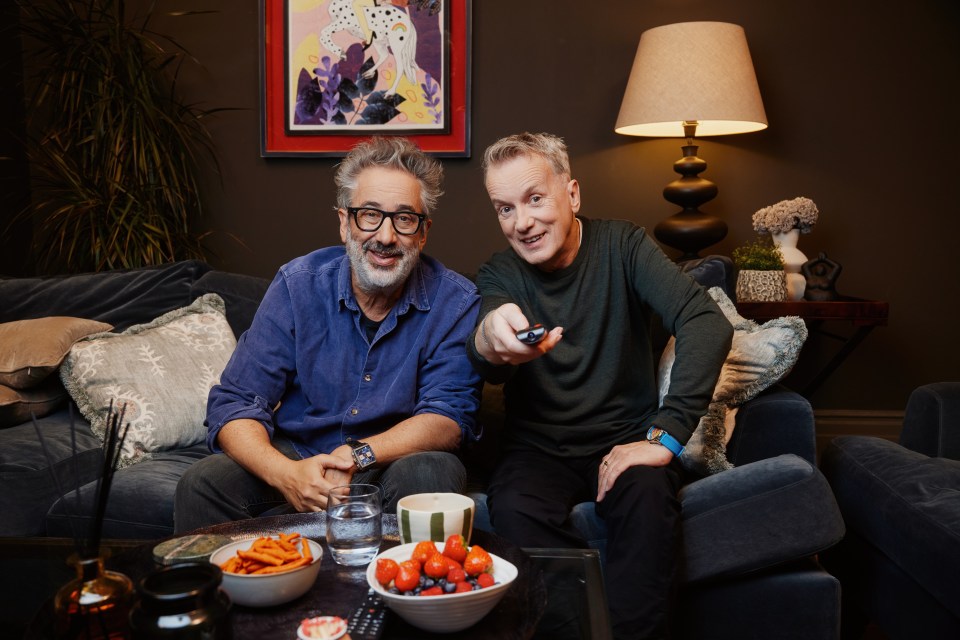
113, 149
760, 276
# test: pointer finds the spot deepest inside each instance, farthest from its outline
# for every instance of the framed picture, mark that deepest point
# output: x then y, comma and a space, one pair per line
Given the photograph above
334, 72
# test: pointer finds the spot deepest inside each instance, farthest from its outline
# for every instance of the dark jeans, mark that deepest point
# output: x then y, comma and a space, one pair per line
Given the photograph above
530, 499
217, 489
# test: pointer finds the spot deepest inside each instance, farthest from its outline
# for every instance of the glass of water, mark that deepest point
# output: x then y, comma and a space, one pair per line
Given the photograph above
354, 525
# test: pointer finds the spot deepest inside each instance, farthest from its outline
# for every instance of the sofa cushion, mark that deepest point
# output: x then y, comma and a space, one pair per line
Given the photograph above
30, 350
122, 298
749, 518
757, 516
241, 295
159, 372
760, 355
17, 405
151, 482
905, 504
32, 472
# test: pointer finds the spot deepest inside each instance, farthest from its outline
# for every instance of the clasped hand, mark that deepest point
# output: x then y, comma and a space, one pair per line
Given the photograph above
497, 340
307, 482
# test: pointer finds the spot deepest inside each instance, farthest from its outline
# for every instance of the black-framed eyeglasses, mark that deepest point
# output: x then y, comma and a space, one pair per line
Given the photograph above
405, 223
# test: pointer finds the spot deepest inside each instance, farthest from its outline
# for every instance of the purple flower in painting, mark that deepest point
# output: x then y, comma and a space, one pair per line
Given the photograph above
431, 91
328, 77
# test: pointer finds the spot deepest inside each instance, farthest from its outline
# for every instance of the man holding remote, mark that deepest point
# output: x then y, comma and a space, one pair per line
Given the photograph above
583, 421
353, 369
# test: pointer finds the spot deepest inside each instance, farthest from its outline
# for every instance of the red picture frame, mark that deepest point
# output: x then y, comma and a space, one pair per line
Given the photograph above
276, 140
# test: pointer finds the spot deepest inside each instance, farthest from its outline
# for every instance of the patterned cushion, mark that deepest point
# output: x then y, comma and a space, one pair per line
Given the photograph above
160, 374
759, 356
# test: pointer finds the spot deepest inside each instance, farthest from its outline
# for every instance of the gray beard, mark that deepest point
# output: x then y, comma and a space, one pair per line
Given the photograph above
375, 279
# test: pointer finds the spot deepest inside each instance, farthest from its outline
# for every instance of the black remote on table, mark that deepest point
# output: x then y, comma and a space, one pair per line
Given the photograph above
366, 622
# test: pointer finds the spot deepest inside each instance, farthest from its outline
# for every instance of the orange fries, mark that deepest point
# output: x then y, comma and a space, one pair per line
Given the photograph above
271, 555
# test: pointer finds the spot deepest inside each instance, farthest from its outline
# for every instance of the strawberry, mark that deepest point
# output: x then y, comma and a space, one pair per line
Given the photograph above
423, 551
436, 566
432, 591
478, 561
485, 580
386, 570
463, 587
455, 547
456, 575
408, 576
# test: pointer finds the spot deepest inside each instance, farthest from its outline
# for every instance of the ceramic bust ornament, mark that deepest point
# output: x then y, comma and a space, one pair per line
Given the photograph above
785, 221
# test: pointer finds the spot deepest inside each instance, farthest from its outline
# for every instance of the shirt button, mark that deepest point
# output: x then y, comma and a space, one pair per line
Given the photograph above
354, 411
367, 377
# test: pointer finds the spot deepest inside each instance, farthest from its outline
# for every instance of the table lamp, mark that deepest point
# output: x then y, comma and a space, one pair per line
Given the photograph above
687, 79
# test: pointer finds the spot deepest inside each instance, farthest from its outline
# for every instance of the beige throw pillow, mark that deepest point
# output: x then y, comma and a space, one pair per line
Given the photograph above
160, 372
17, 405
30, 350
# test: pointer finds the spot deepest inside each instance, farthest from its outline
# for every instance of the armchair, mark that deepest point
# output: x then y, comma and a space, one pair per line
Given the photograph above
899, 562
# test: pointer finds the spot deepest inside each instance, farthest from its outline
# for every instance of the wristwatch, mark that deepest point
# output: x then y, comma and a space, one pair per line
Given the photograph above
363, 455
658, 436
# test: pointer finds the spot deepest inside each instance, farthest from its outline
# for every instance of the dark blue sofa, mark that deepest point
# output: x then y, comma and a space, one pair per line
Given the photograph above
899, 564
751, 534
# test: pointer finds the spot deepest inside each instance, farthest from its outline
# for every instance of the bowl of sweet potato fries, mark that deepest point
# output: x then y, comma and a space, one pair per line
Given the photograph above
270, 570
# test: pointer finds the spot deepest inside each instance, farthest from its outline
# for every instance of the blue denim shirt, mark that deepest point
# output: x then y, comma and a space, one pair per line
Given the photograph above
305, 368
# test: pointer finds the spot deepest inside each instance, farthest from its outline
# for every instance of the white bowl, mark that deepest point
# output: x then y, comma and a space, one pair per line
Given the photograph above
448, 612
269, 589
435, 516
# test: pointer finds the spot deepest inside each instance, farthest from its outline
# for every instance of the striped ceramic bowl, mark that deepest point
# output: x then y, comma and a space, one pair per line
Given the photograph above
434, 516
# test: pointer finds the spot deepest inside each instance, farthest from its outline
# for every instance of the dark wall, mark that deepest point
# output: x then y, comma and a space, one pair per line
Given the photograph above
860, 97
14, 195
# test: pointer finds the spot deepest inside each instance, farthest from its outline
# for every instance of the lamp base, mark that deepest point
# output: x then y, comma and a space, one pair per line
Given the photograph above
690, 230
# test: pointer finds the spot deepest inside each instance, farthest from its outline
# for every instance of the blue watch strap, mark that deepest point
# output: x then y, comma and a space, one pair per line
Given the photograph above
666, 440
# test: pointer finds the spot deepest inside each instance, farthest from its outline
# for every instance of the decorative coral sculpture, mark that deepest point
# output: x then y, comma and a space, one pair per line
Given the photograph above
799, 213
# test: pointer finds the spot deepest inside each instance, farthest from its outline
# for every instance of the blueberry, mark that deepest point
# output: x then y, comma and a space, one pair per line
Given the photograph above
450, 587
428, 582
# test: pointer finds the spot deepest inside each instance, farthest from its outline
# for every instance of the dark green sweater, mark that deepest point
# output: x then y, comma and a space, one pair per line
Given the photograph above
597, 388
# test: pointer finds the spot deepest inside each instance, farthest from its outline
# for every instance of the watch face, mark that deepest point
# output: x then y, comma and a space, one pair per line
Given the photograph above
654, 434
363, 456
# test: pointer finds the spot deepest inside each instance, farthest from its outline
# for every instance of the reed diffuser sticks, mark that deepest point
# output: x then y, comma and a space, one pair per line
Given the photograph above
87, 539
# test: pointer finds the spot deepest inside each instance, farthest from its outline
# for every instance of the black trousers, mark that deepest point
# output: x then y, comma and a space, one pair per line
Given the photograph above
530, 499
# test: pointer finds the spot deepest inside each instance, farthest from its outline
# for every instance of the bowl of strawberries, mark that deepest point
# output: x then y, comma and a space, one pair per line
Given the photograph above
440, 587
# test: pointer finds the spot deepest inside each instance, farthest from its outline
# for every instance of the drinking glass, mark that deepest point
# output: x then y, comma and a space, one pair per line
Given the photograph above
354, 524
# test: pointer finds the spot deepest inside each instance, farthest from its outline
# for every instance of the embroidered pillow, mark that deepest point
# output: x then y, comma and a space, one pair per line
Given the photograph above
160, 374
760, 356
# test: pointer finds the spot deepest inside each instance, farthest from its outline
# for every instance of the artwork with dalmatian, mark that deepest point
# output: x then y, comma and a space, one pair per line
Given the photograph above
373, 68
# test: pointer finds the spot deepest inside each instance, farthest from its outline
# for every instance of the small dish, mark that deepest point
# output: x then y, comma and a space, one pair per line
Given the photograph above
322, 628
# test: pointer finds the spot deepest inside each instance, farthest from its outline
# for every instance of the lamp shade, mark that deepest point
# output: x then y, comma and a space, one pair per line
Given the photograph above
695, 72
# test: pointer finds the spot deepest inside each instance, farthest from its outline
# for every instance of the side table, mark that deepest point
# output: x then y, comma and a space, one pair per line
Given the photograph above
861, 315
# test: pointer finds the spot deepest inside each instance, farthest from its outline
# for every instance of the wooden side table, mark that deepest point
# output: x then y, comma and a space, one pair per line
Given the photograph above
861, 315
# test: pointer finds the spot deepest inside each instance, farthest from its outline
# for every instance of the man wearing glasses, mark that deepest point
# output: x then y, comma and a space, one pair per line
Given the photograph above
354, 368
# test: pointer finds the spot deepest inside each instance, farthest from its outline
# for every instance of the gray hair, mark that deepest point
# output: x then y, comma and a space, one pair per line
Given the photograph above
392, 153
546, 145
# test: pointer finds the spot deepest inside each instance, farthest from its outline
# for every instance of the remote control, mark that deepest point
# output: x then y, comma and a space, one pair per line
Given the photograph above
366, 623
532, 335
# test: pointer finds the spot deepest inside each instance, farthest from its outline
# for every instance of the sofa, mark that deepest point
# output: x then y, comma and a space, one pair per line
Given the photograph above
900, 561
751, 533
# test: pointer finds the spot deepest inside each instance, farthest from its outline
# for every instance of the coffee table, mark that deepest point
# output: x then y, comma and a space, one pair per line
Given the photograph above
558, 594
